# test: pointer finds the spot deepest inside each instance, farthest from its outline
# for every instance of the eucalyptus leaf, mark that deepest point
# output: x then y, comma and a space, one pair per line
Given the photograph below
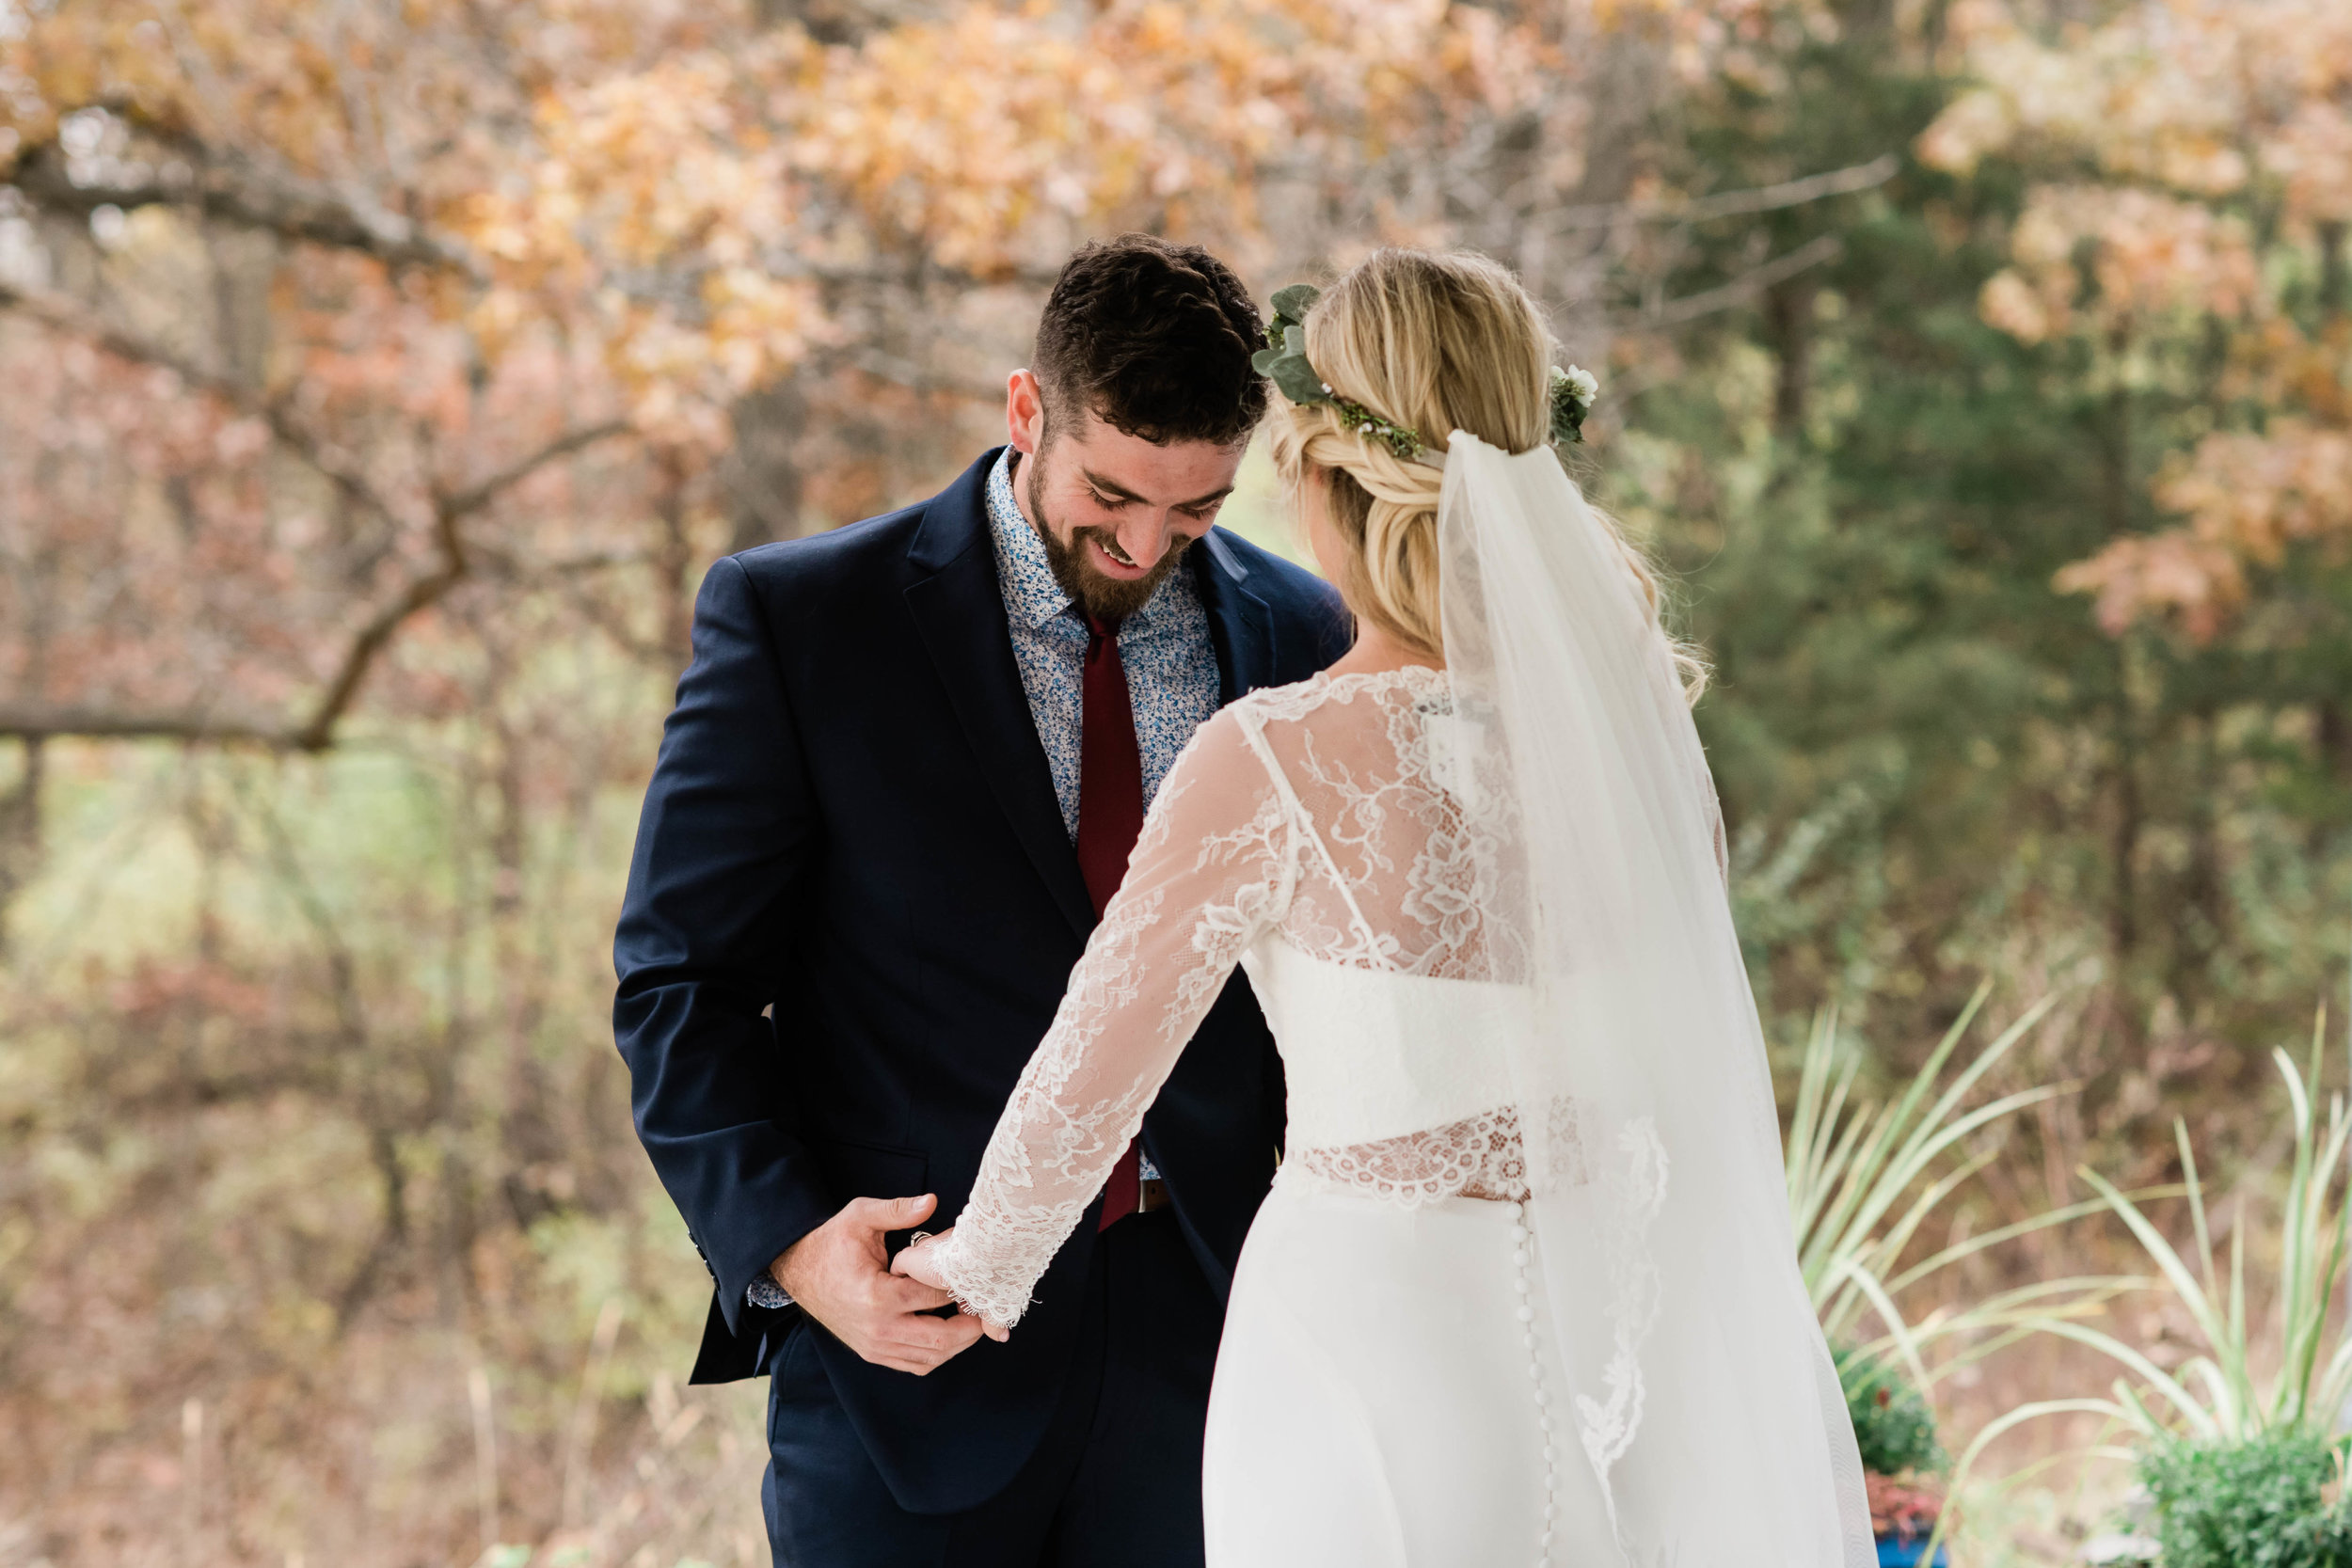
1297, 379
1292, 304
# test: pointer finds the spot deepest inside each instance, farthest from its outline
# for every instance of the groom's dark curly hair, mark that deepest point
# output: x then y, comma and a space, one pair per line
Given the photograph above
1155, 340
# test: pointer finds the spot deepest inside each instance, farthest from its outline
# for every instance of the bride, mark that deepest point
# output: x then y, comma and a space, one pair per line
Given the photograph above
1524, 1290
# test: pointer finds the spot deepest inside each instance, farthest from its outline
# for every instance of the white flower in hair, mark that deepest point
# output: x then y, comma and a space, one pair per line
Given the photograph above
1573, 393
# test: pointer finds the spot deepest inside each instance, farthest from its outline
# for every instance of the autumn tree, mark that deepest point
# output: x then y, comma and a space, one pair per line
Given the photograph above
378, 378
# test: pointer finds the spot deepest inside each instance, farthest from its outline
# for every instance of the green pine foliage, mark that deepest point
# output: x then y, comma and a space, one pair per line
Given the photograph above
1935, 765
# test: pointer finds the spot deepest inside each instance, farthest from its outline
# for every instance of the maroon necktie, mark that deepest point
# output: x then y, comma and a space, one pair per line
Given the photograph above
1111, 818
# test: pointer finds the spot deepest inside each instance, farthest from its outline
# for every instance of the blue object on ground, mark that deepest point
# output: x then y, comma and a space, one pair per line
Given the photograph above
1909, 1551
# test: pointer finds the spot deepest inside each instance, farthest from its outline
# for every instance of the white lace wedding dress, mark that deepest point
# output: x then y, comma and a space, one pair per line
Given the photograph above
1525, 1290
1383, 1393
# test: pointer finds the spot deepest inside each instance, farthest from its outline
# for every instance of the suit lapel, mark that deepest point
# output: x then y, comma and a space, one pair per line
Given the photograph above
959, 612
1241, 624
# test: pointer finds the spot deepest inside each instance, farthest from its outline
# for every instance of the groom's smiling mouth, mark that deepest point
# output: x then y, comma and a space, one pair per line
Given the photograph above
1119, 562
1091, 567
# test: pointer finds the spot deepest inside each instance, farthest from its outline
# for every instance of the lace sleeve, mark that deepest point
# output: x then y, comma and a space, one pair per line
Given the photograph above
1213, 870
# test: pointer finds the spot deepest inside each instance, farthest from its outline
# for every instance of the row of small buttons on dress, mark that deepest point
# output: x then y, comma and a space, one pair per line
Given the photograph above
1523, 1248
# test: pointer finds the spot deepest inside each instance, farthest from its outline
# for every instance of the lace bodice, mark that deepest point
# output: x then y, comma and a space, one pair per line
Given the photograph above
1305, 832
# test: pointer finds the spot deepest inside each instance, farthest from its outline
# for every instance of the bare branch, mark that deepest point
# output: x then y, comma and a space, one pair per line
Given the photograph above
421, 590
468, 501
1690, 307
232, 189
428, 588
591, 561
63, 315
510, 565
237, 191
1767, 199
44, 721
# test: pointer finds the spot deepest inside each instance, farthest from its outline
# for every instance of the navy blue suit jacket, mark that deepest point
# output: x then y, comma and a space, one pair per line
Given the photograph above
850, 915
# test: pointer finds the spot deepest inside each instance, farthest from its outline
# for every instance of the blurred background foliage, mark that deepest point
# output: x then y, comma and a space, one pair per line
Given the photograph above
377, 376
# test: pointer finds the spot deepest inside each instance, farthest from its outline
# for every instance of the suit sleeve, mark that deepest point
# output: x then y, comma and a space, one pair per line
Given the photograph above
724, 857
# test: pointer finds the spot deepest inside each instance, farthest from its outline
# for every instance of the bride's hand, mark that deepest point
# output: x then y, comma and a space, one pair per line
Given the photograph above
914, 1262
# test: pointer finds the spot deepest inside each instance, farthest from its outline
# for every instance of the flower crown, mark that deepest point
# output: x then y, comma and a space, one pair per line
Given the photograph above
1284, 363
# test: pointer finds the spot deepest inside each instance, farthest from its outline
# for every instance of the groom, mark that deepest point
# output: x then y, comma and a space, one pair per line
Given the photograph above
905, 770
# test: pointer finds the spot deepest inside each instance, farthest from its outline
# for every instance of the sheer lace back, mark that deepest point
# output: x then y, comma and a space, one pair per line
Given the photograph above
1400, 1084
1389, 880
1307, 833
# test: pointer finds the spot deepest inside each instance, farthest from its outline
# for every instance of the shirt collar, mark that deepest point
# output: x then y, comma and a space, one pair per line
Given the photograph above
1032, 597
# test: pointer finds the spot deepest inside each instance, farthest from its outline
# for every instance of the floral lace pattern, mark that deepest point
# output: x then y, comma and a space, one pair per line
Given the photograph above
1605, 1427
1392, 880
1314, 813
1481, 1156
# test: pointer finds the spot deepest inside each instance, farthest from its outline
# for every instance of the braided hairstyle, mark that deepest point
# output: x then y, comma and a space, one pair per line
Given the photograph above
1435, 342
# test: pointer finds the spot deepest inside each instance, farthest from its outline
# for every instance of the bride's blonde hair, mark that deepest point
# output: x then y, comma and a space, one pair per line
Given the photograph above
1435, 342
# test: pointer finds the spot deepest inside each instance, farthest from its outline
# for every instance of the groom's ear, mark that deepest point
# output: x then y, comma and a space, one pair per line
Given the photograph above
1025, 413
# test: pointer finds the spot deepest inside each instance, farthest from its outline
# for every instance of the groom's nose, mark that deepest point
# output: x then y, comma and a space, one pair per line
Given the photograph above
1149, 537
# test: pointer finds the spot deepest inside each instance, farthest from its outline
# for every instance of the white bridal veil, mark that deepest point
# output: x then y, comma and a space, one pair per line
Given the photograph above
1700, 1391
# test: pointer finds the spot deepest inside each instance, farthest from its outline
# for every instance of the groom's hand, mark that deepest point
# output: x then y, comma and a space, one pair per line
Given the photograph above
840, 1274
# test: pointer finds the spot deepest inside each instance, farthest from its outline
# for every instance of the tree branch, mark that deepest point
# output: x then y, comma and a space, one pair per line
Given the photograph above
587, 562
428, 588
421, 590
64, 316
1767, 199
235, 190
239, 192
1690, 307
45, 721
472, 500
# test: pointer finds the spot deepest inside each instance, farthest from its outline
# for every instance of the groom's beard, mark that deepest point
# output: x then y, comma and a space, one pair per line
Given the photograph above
1105, 598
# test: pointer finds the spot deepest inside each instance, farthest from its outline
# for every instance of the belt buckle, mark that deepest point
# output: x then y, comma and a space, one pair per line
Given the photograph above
1150, 1195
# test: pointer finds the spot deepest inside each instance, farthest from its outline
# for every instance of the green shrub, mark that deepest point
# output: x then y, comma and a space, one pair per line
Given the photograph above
1893, 1425
2253, 1504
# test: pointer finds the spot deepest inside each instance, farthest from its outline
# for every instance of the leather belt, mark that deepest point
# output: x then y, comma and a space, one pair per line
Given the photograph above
1151, 1194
